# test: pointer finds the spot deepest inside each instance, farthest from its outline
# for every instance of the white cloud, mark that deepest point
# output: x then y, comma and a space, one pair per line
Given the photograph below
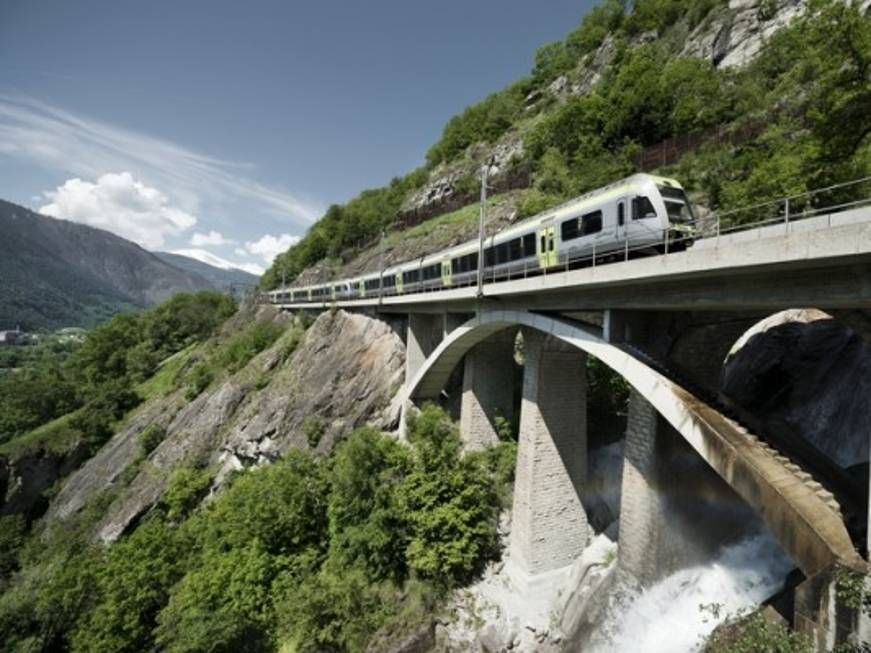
121, 204
268, 247
207, 257
59, 140
211, 238
240, 251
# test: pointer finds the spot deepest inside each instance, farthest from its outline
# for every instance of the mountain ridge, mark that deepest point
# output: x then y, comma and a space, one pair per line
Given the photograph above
56, 273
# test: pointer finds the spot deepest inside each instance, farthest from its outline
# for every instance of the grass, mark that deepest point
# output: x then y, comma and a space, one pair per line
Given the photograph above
56, 436
163, 381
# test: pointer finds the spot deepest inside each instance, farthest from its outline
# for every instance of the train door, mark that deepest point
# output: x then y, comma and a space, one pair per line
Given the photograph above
446, 273
399, 283
362, 288
622, 220
547, 247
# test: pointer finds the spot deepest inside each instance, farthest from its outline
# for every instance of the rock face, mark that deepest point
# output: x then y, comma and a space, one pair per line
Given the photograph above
341, 376
807, 375
734, 37
24, 479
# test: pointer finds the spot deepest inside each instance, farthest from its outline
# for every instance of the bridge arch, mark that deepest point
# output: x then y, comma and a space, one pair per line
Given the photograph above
805, 521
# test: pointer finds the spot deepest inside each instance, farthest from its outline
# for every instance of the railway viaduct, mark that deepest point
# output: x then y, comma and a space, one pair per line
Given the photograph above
664, 323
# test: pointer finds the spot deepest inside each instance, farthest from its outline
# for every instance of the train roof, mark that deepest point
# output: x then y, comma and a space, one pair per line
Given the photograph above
559, 211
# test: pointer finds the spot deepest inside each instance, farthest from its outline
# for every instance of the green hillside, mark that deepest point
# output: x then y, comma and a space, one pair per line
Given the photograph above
792, 118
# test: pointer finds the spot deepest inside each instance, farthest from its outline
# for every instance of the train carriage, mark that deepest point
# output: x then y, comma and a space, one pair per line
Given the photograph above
640, 214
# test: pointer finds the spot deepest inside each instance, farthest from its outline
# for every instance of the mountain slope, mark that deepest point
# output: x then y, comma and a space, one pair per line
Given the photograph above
221, 278
55, 273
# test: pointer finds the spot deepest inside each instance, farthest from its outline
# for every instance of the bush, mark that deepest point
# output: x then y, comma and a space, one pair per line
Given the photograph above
150, 437
132, 583
234, 354
366, 526
450, 503
313, 428
198, 379
187, 486
12, 531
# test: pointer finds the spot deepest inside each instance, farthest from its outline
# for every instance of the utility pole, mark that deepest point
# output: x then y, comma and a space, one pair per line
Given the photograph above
381, 268
483, 214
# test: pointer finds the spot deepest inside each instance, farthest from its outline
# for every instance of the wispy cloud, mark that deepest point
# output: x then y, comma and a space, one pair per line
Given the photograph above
60, 140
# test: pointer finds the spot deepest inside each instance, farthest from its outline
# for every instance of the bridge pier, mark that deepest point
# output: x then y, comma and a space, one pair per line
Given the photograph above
641, 509
488, 389
549, 525
423, 334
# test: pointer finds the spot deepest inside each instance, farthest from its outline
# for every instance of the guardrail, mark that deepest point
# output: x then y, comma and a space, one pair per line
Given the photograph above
785, 211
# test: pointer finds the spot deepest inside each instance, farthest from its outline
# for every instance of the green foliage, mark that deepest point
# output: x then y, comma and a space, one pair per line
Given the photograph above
313, 428
756, 634
234, 354
343, 228
608, 395
12, 531
316, 553
450, 502
367, 527
283, 506
198, 379
187, 486
99, 376
485, 122
223, 605
852, 591
133, 580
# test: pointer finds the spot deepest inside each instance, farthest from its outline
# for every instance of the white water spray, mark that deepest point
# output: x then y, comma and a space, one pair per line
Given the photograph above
667, 618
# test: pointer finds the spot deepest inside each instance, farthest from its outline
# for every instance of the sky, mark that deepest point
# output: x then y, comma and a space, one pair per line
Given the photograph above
222, 129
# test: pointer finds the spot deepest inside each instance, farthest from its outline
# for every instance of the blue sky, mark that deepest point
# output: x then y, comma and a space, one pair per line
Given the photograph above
227, 127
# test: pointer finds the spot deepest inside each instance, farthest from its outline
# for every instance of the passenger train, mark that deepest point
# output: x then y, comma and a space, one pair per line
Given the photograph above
642, 213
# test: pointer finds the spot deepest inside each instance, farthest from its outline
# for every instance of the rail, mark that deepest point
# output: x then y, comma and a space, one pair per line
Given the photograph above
784, 211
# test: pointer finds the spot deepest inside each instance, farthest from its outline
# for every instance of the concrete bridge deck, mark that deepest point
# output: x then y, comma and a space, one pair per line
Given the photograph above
823, 261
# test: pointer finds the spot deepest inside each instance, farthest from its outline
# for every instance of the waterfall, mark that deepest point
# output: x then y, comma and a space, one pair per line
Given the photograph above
668, 618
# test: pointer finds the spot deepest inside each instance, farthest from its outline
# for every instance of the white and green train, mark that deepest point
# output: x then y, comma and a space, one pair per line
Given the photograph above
640, 214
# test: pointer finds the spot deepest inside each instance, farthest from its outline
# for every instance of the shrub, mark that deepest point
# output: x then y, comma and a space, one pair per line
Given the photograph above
187, 487
313, 428
198, 379
150, 437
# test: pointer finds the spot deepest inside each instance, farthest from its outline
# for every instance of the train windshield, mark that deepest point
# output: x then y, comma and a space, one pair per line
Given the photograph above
676, 204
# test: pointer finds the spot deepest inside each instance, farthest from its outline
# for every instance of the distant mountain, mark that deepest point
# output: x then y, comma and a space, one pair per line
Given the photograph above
56, 273
221, 277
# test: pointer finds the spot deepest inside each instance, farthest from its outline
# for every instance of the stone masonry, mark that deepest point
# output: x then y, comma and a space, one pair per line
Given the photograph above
488, 390
640, 509
549, 526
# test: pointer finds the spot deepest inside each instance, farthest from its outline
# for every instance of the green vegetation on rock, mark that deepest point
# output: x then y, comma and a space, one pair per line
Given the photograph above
307, 554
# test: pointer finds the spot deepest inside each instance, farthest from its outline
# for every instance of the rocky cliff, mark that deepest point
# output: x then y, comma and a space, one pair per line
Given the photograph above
344, 373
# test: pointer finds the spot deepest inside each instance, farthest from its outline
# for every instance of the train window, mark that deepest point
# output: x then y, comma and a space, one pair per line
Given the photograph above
621, 213
465, 263
489, 257
515, 249
642, 208
529, 245
591, 223
502, 253
411, 276
569, 229
389, 281
678, 211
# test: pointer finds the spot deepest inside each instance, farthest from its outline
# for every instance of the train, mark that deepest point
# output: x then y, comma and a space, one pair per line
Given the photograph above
641, 214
